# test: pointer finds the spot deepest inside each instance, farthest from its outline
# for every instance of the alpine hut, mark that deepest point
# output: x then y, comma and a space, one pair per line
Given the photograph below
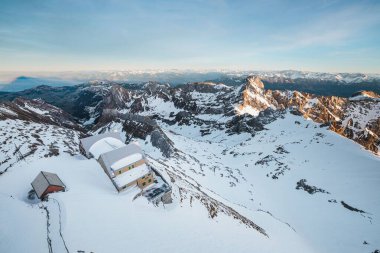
46, 183
126, 166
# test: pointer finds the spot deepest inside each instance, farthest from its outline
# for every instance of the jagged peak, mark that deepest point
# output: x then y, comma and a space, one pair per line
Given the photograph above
254, 98
255, 81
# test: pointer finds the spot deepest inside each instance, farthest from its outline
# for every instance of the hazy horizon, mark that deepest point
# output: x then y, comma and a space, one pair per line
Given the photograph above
9, 76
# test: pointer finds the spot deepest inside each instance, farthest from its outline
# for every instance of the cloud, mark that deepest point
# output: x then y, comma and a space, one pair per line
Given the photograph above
329, 29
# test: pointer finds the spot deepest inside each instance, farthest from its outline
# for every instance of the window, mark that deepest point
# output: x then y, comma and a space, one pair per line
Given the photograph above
133, 166
150, 180
119, 172
144, 183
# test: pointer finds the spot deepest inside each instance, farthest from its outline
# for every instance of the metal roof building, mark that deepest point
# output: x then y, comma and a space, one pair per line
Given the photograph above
113, 157
126, 166
87, 143
47, 182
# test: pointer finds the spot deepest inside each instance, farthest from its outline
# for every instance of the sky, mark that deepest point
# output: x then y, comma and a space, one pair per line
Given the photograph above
73, 35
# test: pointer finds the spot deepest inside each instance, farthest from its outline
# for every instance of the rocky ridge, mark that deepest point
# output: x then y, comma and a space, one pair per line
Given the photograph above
246, 108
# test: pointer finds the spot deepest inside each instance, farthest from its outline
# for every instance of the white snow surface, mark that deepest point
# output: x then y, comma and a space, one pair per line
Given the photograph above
36, 110
4, 110
159, 106
247, 109
256, 176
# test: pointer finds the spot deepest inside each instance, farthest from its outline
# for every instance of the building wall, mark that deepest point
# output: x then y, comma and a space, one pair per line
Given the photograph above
141, 182
125, 186
130, 166
51, 189
145, 180
100, 161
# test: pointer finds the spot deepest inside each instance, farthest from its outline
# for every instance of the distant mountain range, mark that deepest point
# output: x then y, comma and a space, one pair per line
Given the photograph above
315, 82
25, 82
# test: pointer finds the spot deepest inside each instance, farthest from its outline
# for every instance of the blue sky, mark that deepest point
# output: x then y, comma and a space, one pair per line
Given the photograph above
59, 35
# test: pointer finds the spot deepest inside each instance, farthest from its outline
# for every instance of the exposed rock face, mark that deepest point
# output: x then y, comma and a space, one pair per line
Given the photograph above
38, 111
211, 106
116, 98
183, 118
161, 141
137, 126
361, 123
254, 98
356, 119
250, 124
141, 127
255, 84
158, 89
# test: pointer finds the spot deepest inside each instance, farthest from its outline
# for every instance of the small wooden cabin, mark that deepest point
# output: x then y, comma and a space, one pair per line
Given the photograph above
46, 183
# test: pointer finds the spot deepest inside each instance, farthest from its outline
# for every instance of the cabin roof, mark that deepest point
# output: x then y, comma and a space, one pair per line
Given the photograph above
115, 157
105, 145
44, 180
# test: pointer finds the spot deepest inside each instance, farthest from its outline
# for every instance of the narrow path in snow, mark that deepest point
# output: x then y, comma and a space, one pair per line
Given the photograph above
60, 223
55, 240
48, 228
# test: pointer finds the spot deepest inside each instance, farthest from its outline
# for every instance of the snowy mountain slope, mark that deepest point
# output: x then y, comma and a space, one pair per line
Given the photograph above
269, 177
277, 181
259, 175
38, 111
245, 108
61, 222
23, 139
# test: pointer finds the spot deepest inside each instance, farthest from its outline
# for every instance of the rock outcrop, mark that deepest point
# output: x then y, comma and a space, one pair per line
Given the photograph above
142, 127
254, 98
355, 118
